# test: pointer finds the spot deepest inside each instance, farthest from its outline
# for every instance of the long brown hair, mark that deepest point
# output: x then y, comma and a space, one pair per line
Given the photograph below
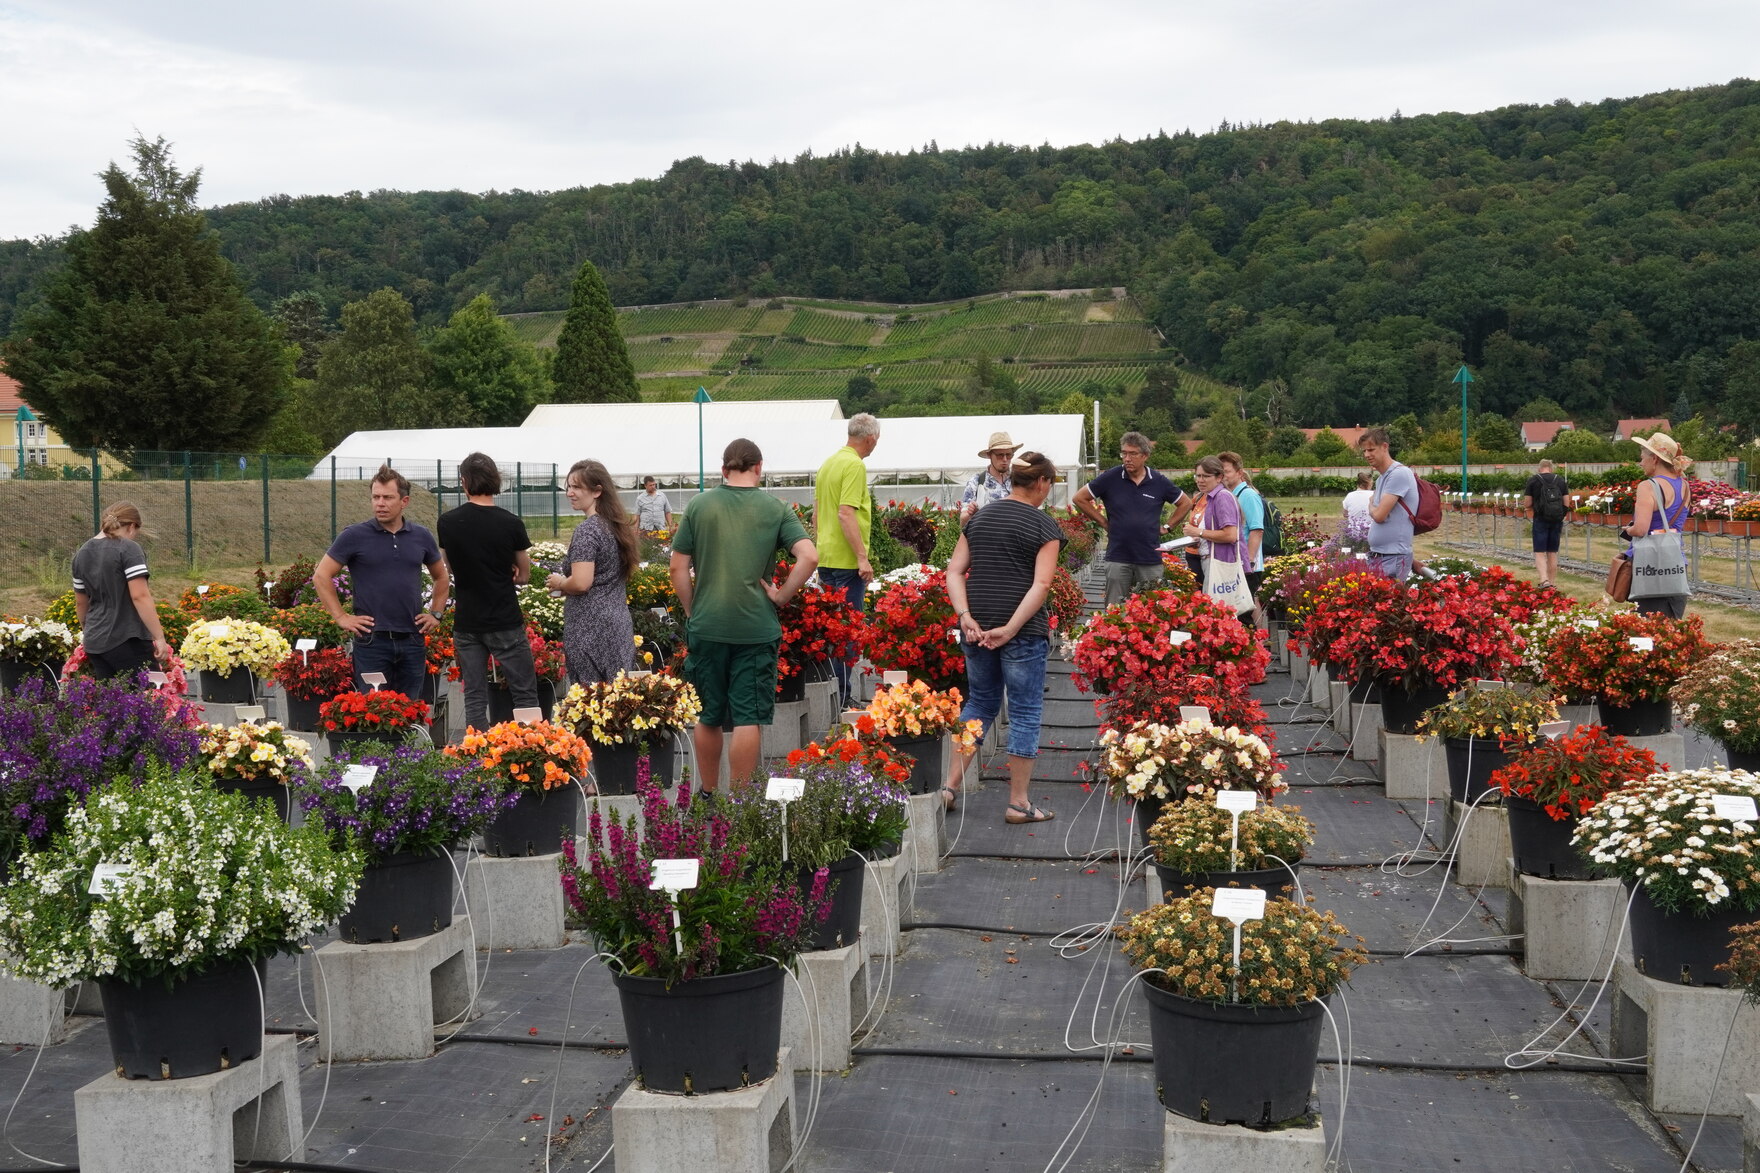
590, 474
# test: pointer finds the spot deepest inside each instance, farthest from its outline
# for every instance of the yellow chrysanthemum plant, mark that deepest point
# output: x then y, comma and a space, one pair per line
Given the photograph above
639, 710
222, 646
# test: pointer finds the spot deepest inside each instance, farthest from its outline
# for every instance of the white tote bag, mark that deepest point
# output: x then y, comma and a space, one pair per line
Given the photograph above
1226, 582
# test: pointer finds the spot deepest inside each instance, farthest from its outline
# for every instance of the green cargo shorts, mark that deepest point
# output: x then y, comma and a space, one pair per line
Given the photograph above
735, 682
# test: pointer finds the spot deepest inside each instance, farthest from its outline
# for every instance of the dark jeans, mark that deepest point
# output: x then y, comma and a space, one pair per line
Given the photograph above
1673, 606
514, 657
125, 659
401, 655
850, 583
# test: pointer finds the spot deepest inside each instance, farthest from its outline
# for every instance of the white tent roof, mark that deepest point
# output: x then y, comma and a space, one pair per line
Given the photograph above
660, 439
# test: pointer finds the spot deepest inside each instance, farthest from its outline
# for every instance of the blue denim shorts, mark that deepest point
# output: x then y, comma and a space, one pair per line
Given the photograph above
1017, 670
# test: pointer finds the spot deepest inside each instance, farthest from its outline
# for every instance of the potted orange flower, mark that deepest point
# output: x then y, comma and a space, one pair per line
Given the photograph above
541, 763
912, 717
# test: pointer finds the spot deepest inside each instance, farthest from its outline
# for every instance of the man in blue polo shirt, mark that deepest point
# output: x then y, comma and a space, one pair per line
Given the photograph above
384, 558
1134, 495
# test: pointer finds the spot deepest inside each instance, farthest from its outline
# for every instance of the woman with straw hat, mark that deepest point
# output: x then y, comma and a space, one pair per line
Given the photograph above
1661, 504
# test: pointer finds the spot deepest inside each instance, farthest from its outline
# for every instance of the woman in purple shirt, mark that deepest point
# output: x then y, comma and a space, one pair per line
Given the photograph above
1219, 528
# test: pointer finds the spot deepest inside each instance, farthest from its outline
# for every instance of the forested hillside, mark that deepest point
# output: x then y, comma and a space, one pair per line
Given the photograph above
1603, 255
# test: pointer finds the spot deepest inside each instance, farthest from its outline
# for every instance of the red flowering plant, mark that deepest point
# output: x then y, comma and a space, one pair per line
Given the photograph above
315, 676
382, 711
1443, 634
1299, 584
1569, 775
1158, 702
870, 753
1603, 661
1131, 643
548, 657
1081, 537
442, 652
910, 630
818, 625
1518, 600
1066, 600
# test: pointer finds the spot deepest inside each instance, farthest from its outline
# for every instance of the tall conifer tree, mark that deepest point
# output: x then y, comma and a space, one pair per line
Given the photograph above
592, 362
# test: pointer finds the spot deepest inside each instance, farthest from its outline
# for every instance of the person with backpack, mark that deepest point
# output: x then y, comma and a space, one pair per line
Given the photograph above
1393, 507
1252, 503
1544, 497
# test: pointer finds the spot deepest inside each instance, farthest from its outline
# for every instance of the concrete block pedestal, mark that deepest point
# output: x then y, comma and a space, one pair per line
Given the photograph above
1409, 768
1298, 668
1277, 640
1365, 731
746, 1131
1338, 696
516, 902
1682, 1029
1319, 688
1670, 749
885, 901
787, 730
1751, 1135
833, 991
927, 832
32, 1014
1567, 927
1482, 854
382, 1001
1191, 1146
822, 708
196, 1125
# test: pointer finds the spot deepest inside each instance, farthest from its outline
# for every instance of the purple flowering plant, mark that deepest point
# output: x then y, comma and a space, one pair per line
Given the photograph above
741, 914
419, 800
58, 746
843, 808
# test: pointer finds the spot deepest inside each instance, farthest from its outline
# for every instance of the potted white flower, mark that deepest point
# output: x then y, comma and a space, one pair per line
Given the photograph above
33, 646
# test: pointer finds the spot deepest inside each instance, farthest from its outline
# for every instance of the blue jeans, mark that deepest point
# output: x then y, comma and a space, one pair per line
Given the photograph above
1017, 670
401, 656
513, 655
850, 583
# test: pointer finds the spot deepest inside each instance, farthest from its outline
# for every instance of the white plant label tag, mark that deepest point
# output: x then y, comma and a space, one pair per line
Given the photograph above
1737, 808
1238, 904
202, 590
953, 634
785, 789
851, 716
637, 674
660, 611
157, 679
1590, 624
106, 875
891, 678
1239, 801
358, 778
217, 631
1198, 713
1555, 729
675, 875
528, 716
373, 678
1177, 638
305, 645
1490, 685
1643, 643
249, 714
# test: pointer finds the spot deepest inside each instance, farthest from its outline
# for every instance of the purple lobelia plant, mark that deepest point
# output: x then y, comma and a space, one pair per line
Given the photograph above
419, 800
56, 748
740, 915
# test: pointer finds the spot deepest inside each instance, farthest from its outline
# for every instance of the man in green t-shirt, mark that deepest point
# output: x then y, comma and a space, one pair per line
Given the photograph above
730, 536
843, 515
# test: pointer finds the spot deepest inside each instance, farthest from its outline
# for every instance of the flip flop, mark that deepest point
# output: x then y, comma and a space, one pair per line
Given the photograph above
1017, 814
949, 797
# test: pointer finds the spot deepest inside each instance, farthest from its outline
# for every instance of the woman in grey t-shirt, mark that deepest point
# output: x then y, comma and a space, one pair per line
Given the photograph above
118, 620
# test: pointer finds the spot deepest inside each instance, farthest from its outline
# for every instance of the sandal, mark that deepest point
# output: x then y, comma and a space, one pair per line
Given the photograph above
1017, 813
949, 797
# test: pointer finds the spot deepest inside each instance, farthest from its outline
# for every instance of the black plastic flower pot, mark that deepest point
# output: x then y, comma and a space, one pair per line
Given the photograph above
1229, 1064
843, 925
237, 687
1276, 881
792, 688
273, 791
1638, 719
203, 1023
501, 701
535, 825
1742, 759
1541, 844
1149, 809
400, 898
345, 740
15, 672
1400, 709
1681, 947
925, 754
615, 766
302, 713
706, 1035
1471, 762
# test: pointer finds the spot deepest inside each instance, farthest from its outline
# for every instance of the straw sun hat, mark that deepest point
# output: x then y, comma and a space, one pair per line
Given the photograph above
998, 440
1665, 448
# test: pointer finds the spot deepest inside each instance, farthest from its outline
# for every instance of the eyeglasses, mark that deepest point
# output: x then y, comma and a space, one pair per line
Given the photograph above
1129, 452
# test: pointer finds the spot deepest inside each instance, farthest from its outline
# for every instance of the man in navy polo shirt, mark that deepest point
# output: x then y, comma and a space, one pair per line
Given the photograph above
384, 558
1134, 495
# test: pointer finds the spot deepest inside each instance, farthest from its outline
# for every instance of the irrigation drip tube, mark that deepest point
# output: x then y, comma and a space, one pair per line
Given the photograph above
1079, 1057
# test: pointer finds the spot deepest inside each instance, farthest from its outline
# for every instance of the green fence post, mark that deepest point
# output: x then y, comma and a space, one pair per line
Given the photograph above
189, 517
265, 509
555, 518
333, 498
97, 473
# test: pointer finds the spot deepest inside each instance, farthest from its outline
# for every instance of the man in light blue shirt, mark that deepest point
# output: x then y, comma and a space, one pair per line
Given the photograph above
1390, 508
1234, 476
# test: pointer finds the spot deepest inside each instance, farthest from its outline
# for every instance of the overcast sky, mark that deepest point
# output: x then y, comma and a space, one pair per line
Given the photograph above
327, 97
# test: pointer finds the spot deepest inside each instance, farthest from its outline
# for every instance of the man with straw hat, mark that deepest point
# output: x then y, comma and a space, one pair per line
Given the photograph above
1134, 495
989, 483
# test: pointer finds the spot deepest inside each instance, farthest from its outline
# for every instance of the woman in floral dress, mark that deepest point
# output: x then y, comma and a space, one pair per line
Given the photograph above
596, 631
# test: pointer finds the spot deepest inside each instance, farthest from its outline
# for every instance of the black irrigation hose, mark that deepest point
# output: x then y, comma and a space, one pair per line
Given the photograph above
290, 1166
1048, 1057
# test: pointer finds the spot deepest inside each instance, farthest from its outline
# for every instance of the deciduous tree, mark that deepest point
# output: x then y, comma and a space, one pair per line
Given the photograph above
478, 358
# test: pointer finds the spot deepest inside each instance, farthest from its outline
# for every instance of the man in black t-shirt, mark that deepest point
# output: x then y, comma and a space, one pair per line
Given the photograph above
486, 547
1544, 496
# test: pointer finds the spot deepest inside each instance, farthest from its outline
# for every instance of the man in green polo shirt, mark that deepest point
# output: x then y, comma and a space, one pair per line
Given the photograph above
843, 515
729, 536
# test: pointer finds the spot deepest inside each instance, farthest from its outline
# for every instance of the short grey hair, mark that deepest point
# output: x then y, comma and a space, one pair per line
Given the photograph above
1138, 441
1546, 465
862, 424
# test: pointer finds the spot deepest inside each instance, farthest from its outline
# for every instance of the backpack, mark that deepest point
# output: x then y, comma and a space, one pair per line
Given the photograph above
1271, 544
1549, 505
1429, 512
